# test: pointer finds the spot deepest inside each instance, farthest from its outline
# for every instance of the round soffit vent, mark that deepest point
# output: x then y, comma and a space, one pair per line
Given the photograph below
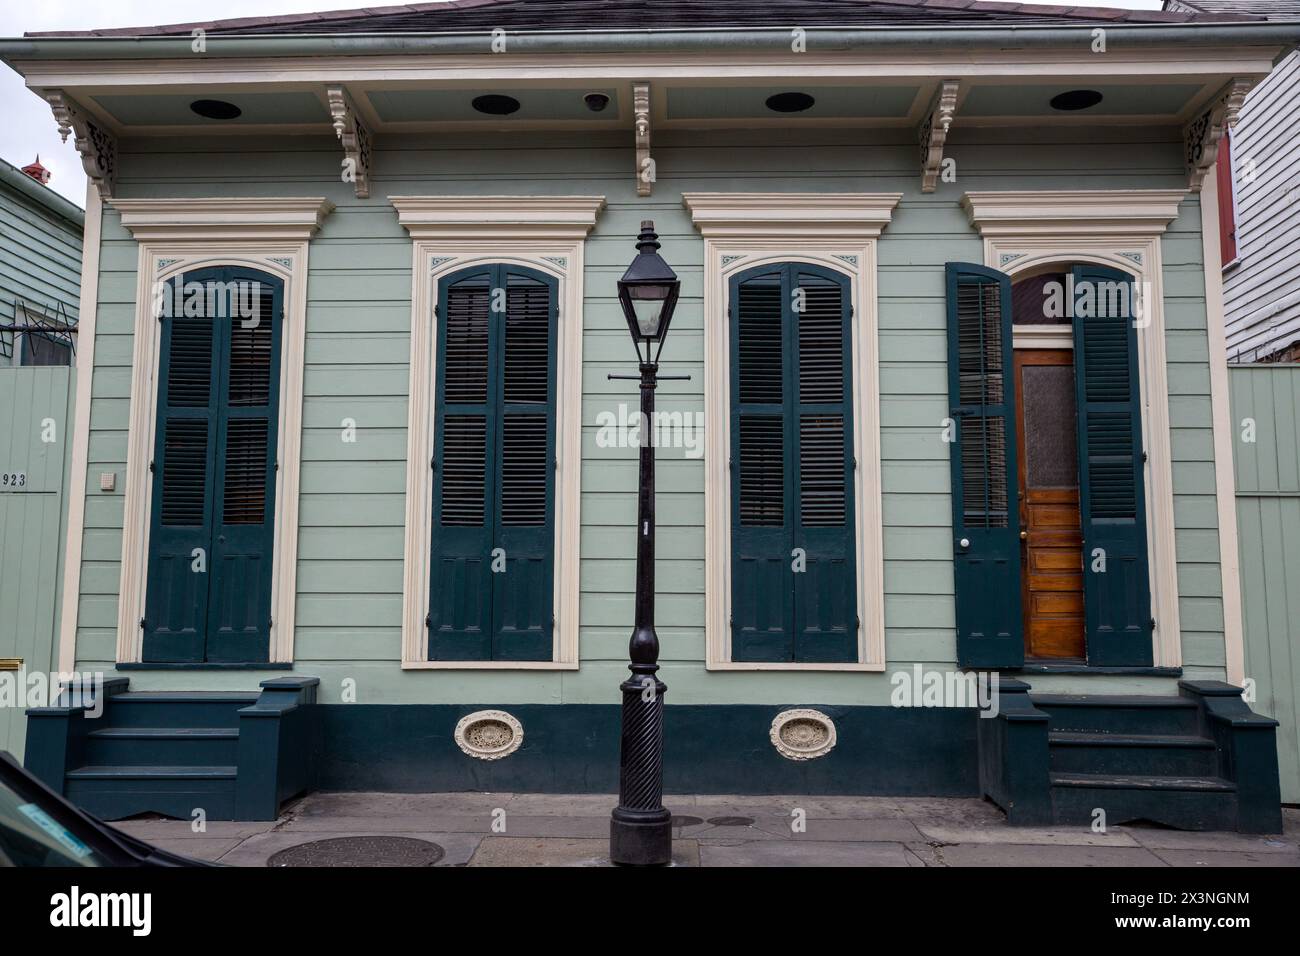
489, 734
789, 102
1074, 100
216, 109
803, 734
495, 104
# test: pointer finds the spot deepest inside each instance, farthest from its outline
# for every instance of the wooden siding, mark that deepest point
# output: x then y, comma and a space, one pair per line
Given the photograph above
1262, 292
40, 253
351, 536
1268, 521
32, 525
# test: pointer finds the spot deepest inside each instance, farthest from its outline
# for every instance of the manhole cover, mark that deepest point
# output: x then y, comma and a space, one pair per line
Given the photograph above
732, 821
360, 851
686, 821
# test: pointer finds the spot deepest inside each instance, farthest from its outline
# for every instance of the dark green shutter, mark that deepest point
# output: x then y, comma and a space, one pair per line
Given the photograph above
214, 475
1117, 601
792, 467
494, 464
986, 517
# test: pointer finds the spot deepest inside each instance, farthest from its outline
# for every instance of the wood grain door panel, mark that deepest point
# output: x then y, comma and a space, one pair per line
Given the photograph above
1051, 539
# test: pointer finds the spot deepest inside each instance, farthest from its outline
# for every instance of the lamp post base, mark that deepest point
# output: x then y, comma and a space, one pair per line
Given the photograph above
641, 837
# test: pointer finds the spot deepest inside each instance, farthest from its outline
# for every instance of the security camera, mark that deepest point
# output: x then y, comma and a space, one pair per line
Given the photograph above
596, 102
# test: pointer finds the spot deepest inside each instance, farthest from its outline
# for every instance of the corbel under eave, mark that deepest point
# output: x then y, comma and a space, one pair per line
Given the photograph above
96, 145
933, 133
1202, 135
355, 138
645, 166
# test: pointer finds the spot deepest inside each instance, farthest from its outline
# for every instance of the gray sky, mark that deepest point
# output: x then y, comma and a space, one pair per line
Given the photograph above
28, 127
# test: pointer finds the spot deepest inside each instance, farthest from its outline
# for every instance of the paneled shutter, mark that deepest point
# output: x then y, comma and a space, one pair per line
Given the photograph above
494, 467
1117, 600
791, 467
214, 472
239, 614
176, 599
986, 516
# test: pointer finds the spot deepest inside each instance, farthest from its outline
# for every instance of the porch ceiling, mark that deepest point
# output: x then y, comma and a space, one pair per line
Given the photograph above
432, 105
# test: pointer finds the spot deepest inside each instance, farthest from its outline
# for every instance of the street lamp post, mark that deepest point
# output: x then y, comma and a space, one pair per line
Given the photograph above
640, 828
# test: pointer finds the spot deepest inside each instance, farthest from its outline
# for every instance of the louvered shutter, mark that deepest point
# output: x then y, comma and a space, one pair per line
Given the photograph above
986, 517
494, 467
762, 532
791, 467
1117, 600
825, 615
176, 601
239, 613
522, 596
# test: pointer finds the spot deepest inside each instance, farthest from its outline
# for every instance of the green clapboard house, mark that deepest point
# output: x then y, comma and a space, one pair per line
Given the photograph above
945, 507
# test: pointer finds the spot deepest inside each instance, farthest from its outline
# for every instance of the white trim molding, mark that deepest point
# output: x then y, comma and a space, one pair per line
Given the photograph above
546, 233
177, 236
1026, 232
1225, 480
838, 231
76, 494
1077, 212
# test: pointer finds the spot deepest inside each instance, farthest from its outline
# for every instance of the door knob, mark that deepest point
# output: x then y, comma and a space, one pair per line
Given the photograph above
1024, 536
964, 542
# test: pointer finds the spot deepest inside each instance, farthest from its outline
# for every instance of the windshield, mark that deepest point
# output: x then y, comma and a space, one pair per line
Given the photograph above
31, 837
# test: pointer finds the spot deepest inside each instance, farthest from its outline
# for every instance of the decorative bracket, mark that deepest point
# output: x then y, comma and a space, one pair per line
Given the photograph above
645, 166
97, 146
1202, 135
934, 133
355, 138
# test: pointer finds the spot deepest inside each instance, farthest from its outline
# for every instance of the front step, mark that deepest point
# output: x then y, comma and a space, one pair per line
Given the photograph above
1120, 714
114, 792
1189, 803
162, 746
157, 709
1165, 755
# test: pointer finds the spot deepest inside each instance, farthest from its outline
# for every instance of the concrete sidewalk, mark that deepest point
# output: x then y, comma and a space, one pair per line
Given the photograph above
505, 829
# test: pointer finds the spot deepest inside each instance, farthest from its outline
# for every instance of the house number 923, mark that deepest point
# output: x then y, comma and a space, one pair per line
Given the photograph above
13, 479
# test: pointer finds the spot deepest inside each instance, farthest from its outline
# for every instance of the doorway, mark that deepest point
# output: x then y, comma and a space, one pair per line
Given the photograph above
1051, 537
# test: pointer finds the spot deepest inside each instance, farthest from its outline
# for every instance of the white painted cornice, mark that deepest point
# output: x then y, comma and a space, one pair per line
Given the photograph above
293, 218
1111, 212
492, 217
846, 216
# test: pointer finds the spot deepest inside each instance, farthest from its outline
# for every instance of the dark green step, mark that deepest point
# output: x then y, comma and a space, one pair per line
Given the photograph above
161, 709
1120, 714
1164, 755
162, 746
177, 791
1188, 803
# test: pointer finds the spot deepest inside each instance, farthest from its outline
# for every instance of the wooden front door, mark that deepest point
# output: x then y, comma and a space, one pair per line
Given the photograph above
1051, 536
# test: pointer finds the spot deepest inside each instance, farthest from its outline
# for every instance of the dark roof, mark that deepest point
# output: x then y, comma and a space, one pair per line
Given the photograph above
1272, 9
580, 15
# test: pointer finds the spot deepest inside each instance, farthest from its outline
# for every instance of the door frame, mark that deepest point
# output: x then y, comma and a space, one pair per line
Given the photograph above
181, 235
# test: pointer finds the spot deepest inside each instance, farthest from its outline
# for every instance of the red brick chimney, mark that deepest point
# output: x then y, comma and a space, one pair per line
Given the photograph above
38, 172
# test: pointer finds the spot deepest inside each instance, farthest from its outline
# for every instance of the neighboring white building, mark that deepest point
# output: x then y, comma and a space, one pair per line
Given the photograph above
1260, 193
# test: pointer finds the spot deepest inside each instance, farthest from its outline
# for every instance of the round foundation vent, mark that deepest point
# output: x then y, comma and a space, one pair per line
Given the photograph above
489, 734
802, 734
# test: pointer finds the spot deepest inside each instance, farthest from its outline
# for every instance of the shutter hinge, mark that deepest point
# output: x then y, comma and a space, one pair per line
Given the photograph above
433, 463
428, 620
857, 624
556, 463
277, 466
270, 623
142, 624
1153, 624
855, 462
1144, 456
151, 468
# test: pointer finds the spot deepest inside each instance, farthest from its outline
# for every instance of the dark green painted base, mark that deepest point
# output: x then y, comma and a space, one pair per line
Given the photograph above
573, 748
